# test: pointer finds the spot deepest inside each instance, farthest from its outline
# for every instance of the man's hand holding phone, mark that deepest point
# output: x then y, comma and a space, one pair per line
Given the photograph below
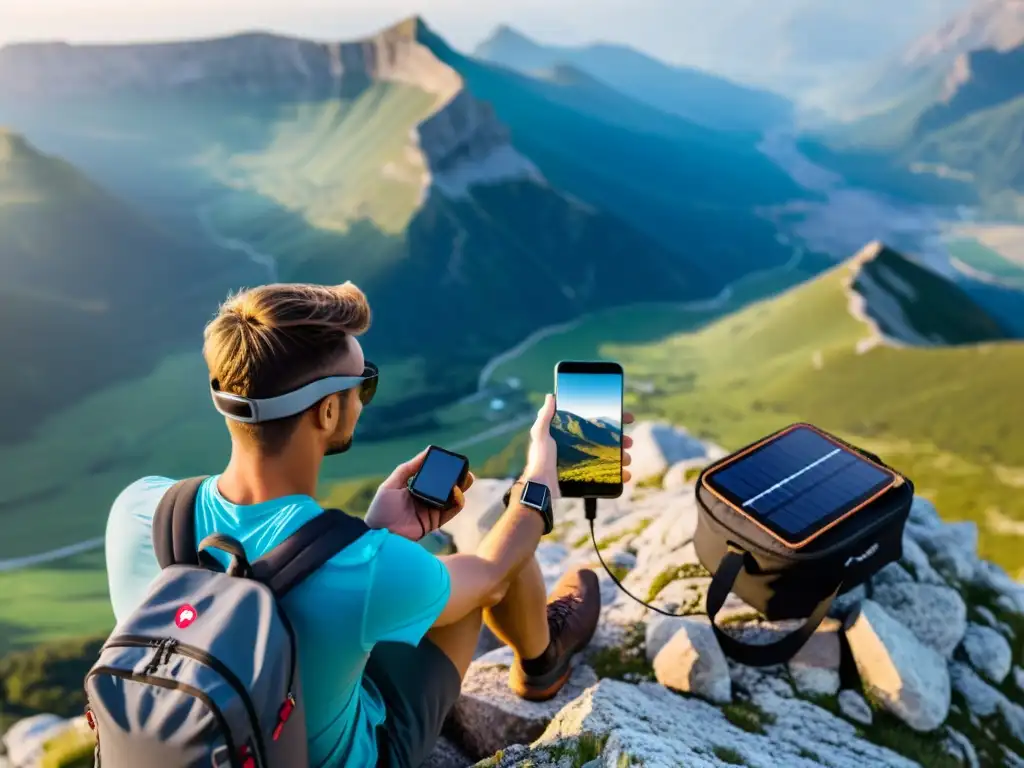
542, 455
396, 508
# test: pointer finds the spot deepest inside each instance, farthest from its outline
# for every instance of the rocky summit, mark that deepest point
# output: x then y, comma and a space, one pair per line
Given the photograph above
920, 667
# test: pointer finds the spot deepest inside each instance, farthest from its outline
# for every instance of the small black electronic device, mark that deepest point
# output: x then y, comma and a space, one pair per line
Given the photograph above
587, 428
440, 472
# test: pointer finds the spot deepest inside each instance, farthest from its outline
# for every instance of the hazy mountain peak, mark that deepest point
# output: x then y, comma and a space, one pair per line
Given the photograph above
995, 24
693, 94
504, 34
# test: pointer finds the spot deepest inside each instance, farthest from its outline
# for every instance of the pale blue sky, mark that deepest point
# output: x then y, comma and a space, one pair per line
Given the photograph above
751, 40
590, 395
462, 22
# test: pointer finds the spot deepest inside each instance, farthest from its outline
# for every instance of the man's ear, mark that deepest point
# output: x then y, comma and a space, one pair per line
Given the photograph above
328, 413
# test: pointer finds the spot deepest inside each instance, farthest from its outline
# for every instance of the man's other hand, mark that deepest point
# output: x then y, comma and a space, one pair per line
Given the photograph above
542, 455
394, 508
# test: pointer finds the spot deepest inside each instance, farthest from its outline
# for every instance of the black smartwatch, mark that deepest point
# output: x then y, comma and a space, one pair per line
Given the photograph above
535, 496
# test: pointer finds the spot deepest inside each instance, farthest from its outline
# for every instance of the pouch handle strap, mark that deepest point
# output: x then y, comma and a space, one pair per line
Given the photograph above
753, 655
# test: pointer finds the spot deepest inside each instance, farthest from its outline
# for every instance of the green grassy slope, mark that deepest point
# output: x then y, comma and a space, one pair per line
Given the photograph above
90, 290
587, 451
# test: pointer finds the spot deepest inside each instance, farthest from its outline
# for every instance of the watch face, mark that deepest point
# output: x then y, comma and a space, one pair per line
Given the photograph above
534, 495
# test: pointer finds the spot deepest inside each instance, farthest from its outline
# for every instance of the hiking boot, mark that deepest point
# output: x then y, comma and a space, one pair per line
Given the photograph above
574, 608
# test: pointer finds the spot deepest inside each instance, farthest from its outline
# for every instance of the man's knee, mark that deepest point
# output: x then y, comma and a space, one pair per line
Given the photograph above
458, 641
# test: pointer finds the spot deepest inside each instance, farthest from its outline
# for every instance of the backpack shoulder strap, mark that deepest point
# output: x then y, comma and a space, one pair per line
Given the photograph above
318, 540
174, 524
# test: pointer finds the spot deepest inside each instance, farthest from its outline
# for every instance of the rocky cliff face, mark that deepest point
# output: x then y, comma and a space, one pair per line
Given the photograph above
920, 667
462, 142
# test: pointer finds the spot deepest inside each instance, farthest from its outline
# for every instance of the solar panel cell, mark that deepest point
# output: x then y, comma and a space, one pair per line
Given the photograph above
798, 483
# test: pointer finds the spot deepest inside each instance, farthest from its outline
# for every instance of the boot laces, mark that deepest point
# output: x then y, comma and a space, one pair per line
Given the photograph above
561, 609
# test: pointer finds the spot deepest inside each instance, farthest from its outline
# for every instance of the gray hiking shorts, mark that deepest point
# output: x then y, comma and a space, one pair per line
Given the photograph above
419, 685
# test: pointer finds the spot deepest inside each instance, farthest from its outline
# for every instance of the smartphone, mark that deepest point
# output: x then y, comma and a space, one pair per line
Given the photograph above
587, 428
799, 483
441, 471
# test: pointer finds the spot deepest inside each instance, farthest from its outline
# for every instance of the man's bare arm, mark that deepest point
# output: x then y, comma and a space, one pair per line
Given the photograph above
480, 580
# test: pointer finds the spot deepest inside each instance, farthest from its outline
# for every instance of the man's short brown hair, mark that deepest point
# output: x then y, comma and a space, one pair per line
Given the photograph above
270, 340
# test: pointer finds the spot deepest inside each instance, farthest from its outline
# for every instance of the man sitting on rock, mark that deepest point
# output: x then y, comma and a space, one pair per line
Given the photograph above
386, 630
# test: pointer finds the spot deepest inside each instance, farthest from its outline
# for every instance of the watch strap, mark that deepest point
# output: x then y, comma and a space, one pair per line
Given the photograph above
546, 513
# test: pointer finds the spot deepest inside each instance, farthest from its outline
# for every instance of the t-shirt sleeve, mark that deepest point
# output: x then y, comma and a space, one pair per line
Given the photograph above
131, 562
409, 588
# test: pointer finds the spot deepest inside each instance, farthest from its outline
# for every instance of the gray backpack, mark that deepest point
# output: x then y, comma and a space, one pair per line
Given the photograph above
205, 673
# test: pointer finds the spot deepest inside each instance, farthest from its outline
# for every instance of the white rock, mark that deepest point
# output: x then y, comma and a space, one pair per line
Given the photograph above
848, 601
692, 662
915, 558
675, 477
960, 747
951, 547
657, 446
893, 573
983, 700
936, 615
923, 513
488, 715
991, 576
658, 631
815, 667
904, 676
660, 729
1018, 678
852, 705
988, 651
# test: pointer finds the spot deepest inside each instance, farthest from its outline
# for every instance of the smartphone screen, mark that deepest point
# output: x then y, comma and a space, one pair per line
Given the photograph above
440, 473
798, 483
587, 428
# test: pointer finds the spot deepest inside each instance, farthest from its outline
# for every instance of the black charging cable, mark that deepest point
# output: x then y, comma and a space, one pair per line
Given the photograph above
590, 511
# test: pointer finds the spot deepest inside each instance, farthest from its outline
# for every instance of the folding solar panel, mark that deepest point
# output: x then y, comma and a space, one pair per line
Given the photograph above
798, 483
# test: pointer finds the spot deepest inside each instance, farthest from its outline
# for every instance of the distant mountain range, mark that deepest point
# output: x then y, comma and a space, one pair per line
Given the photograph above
690, 93
951, 106
446, 187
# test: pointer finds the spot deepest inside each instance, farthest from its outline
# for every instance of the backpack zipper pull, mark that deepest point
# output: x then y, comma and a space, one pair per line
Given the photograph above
169, 645
154, 662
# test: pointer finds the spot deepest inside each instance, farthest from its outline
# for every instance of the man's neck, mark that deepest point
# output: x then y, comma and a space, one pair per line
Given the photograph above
252, 478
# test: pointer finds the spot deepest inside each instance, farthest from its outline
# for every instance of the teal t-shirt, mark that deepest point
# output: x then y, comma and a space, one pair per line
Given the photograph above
383, 587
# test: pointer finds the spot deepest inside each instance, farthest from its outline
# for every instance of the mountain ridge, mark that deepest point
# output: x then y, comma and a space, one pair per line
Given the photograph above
692, 93
913, 305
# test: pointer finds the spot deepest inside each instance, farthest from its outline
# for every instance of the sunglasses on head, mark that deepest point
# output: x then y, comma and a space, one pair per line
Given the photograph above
249, 410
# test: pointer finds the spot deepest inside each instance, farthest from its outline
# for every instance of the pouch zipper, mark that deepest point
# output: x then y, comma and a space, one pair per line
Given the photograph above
166, 647
174, 685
